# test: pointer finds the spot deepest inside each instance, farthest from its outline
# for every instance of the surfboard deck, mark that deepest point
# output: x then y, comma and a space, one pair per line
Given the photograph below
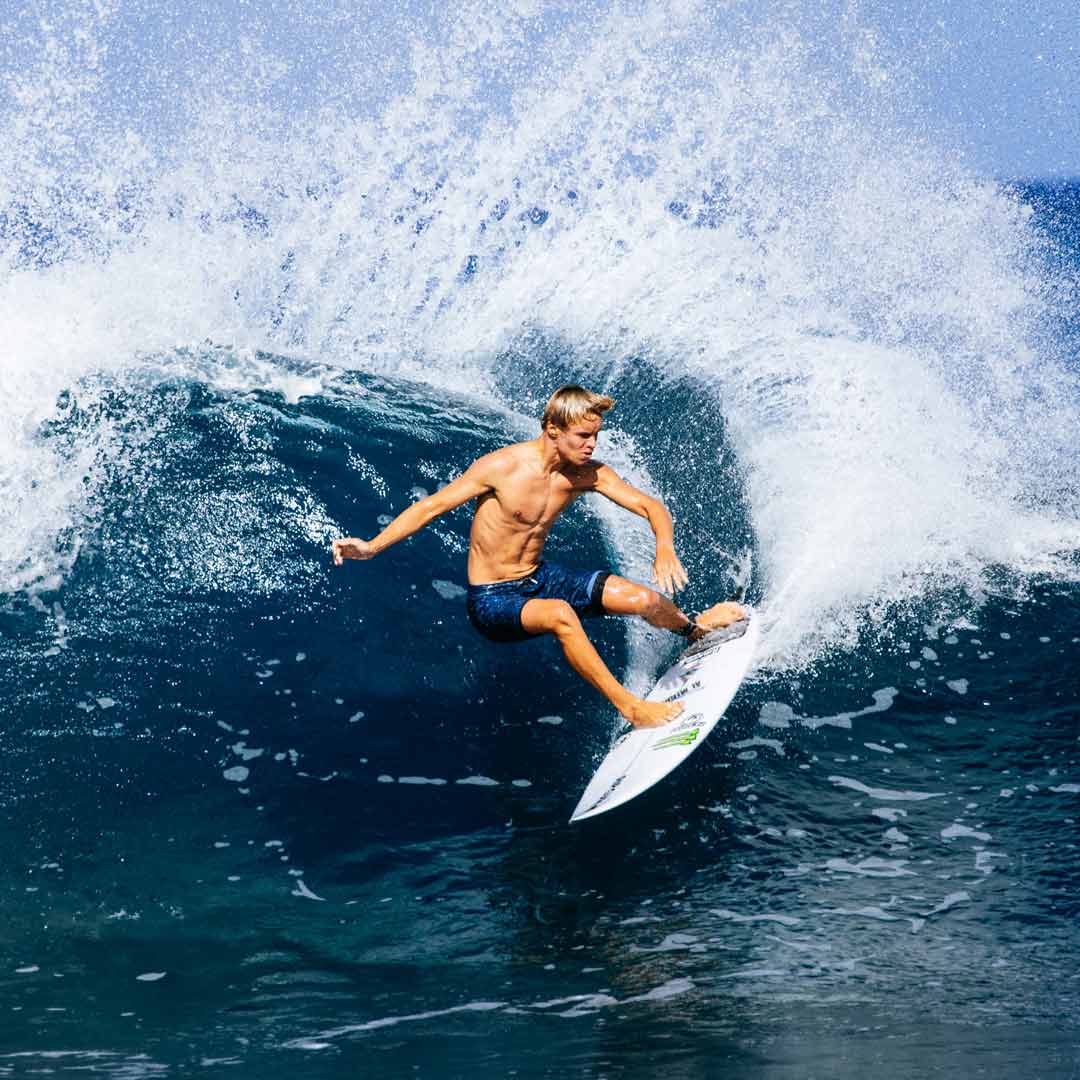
705, 677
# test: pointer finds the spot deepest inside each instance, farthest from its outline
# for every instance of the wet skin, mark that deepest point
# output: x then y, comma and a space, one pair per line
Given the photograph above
520, 491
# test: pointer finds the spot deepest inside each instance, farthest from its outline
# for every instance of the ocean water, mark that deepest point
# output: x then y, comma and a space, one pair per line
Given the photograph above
265, 281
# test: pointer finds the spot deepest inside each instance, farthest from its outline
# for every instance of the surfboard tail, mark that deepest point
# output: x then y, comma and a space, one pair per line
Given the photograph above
705, 678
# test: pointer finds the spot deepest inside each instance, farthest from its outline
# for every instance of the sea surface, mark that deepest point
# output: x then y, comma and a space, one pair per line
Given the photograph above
267, 817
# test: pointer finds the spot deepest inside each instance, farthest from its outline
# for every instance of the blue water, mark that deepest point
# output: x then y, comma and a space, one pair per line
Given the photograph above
268, 817
220, 728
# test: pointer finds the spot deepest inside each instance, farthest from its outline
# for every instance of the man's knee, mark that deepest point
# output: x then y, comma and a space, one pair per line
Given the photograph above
625, 597
645, 601
550, 617
563, 619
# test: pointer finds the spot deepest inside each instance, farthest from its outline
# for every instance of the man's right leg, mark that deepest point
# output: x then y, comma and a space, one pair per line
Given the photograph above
559, 618
624, 597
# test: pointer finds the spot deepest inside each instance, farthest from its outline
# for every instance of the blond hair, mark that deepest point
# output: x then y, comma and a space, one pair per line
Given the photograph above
570, 403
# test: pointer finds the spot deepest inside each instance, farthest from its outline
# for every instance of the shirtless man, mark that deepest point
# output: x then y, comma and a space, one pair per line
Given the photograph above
520, 491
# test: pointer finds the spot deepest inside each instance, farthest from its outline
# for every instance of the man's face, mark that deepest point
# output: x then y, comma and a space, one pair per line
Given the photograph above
576, 443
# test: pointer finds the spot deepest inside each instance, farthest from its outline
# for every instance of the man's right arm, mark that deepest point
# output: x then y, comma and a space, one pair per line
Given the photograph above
476, 480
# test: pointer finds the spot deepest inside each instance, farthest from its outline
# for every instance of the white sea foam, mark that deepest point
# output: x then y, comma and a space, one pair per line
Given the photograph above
956, 831
883, 700
786, 920
887, 794
303, 891
448, 590
870, 867
773, 744
950, 902
737, 206
871, 911
579, 1005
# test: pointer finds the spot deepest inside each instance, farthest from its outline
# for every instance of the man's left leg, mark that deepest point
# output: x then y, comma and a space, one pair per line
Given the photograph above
624, 597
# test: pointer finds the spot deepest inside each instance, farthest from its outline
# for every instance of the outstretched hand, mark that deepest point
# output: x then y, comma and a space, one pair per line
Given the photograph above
351, 547
668, 572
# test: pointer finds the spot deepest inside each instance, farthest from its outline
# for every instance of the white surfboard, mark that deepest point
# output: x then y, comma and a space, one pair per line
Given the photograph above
705, 678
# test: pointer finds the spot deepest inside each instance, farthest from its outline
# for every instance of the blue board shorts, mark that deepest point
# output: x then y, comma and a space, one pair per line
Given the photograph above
495, 609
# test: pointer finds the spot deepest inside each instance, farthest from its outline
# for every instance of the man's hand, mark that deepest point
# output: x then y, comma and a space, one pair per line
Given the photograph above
350, 547
668, 572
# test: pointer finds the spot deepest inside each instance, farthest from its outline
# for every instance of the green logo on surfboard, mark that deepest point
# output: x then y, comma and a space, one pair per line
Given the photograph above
683, 738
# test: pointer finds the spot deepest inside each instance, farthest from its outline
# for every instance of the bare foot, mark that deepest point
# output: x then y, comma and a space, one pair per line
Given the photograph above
723, 614
643, 714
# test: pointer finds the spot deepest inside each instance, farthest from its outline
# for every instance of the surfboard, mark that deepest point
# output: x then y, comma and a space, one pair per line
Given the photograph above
705, 678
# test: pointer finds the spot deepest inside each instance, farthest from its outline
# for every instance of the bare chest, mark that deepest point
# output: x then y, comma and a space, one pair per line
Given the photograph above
536, 503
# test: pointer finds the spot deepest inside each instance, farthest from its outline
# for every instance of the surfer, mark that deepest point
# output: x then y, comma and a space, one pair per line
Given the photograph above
514, 594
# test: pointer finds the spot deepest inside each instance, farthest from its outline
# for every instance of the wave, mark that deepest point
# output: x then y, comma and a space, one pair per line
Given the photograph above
857, 352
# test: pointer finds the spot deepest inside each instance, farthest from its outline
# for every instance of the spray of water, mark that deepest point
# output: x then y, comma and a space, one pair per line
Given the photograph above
718, 194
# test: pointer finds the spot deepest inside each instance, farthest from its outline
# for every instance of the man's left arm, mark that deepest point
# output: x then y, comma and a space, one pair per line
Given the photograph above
668, 571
